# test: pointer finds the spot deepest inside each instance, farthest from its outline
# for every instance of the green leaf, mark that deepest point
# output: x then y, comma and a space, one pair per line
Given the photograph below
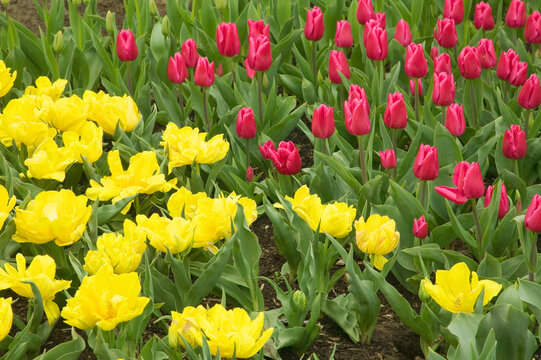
341, 171
108, 212
66, 351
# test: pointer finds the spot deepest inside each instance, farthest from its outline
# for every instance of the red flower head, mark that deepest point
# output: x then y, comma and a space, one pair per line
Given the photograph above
126, 48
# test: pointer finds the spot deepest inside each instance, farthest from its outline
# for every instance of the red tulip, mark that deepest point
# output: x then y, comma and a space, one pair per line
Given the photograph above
426, 166
287, 159
220, 70
388, 159
396, 115
251, 72
356, 117
419, 87
176, 70
454, 9
529, 96
504, 200
454, 120
365, 11
259, 53
204, 72
487, 54
338, 62
267, 149
256, 28
445, 33
189, 53
375, 41
357, 92
532, 32
227, 39
415, 65
506, 63
532, 220
514, 143
126, 48
380, 18
343, 37
323, 122
434, 52
249, 173
519, 73
468, 181
516, 14
403, 32
420, 227
468, 63
314, 28
482, 19
246, 126
444, 89
442, 64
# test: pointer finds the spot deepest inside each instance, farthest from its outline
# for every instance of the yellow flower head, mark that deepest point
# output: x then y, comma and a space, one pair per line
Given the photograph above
456, 292
87, 143
45, 87
6, 205
184, 200
187, 145
108, 111
307, 206
6, 317
142, 177
53, 215
104, 300
41, 271
377, 236
6, 79
163, 233
68, 114
122, 252
49, 161
230, 331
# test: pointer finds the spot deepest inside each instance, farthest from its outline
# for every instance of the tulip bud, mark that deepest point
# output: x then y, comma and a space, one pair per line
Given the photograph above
338, 62
77, 3
504, 200
514, 143
323, 122
153, 9
519, 73
444, 89
249, 174
468, 63
454, 9
380, 18
246, 125
256, 28
532, 220
6, 3
110, 22
419, 87
343, 37
286, 159
506, 64
299, 299
126, 48
454, 120
426, 166
314, 28
364, 11
516, 14
396, 115
189, 53
227, 39
482, 19
388, 159
442, 64
356, 117
220, 4
375, 41
445, 33
176, 70
357, 92
220, 70
204, 72
415, 65
529, 96
259, 53
468, 178
420, 227
424, 296
267, 149
166, 26
487, 54
403, 33
58, 42
434, 52
532, 32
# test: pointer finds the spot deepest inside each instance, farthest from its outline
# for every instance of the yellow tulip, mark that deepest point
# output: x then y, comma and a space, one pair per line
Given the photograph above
6, 317
45, 87
187, 145
307, 206
108, 111
49, 161
184, 201
41, 271
230, 331
456, 292
87, 143
68, 114
163, 233
104, 300
6, 205
6, 79
122, 252
377, 237
53, 215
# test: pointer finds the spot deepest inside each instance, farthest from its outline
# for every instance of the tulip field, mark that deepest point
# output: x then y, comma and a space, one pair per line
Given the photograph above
270, 179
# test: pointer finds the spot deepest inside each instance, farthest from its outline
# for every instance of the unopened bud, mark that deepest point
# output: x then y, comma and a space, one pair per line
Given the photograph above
58, 42
153, 8
166, 26
265, 80
220, 4
249, 173
424, 296
110, 23
299, 299
77, 3
5, 3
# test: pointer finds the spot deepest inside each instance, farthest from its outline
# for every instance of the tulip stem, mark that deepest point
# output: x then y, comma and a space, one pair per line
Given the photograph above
527, 123
232, 66
205, 110
443, 115
128, 75
260, 97
314, 61
247, 154
417, 104
341, 86
181, 100
393, 135
477, 224
533, 258
362, 160
423, 194
473, 104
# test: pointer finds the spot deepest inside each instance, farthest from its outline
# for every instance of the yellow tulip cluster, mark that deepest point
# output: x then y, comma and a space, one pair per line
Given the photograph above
229, 331
377, 236
6, 317
334, 219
